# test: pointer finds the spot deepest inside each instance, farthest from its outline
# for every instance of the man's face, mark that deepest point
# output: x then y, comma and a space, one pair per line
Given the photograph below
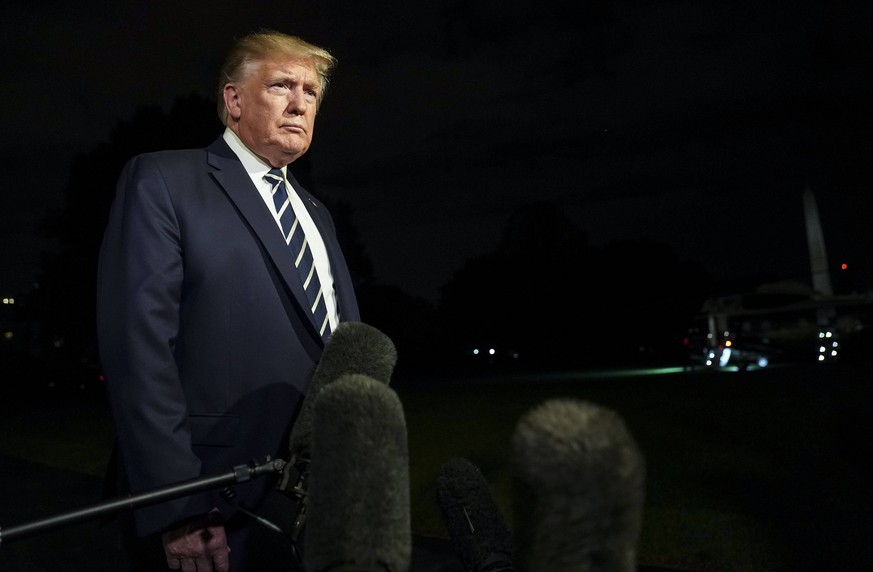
273, 109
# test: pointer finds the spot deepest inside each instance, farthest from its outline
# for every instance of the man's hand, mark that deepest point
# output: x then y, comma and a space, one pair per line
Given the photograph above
199, 546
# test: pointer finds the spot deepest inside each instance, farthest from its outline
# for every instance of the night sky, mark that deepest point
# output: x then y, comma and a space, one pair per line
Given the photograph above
694, 123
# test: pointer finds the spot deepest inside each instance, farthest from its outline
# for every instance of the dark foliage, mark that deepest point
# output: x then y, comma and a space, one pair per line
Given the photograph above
63, 302
547, 297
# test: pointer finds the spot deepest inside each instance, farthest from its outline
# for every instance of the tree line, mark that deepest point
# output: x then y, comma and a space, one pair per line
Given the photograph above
545, 298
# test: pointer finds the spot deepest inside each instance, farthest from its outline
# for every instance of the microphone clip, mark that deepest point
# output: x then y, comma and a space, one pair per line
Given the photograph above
294, 483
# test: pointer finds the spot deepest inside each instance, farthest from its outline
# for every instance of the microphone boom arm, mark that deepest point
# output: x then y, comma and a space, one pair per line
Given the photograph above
239, 474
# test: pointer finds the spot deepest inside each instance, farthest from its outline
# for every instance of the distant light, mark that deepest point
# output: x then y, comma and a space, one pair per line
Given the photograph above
820, 358
728, 343
8, 301
822, 349
843, 266
763, 362
829, 334
476, 352
8, 335
492, 351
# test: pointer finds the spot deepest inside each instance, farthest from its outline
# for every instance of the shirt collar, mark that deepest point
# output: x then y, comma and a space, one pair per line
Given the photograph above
254, 166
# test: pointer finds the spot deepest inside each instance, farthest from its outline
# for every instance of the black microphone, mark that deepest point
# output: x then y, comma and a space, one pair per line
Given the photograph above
353, 347
359, 517
578, 489
475, 525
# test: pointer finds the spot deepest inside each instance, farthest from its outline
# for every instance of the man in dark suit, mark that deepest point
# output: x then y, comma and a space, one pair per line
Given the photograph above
207, 337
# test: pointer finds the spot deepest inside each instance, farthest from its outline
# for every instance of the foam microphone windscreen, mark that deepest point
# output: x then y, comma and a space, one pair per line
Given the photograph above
358, 515
353, 347
578, 480
476, 527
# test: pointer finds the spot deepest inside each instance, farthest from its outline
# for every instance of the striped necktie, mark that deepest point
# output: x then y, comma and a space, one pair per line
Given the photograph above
300, 251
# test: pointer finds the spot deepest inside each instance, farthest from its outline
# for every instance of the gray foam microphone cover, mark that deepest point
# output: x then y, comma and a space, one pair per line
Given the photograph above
578, 482
353, 347
359, 517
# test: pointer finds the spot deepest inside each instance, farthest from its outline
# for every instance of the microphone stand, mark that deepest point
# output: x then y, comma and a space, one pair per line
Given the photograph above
239, 474
294, 483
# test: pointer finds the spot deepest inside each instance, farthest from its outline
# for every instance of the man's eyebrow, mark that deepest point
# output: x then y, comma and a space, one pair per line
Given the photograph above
284, 77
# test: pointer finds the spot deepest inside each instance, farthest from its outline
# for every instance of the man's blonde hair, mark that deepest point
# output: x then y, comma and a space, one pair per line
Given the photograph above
249, 51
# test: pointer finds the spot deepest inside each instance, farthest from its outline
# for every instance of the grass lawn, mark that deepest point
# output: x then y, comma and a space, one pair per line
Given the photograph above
745, 471
761, 470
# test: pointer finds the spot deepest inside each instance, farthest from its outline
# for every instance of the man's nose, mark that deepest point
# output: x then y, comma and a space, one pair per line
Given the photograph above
297, 102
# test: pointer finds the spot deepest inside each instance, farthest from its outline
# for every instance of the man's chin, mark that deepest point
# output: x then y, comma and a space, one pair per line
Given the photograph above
294, 149
284, 155
292, 155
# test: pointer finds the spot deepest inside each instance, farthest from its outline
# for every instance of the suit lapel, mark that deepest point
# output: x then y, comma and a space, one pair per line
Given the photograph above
236, 183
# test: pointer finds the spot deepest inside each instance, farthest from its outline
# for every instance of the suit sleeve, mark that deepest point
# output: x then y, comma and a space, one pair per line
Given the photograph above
139, 292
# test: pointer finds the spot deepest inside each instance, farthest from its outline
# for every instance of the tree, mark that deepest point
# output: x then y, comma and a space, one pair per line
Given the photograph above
63, 302
520, 299
551, 297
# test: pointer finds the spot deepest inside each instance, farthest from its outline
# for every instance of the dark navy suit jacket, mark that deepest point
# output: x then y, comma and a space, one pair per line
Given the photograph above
204, 340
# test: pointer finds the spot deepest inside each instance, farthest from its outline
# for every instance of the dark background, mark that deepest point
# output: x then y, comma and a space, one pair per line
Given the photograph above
645, 155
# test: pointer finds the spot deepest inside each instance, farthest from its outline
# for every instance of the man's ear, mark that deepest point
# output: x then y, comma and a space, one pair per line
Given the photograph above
232, 101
